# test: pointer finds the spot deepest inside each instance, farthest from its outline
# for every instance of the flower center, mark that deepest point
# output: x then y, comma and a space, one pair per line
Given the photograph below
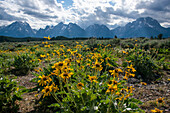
47, 89
97, 65
115, 82
60, 64
80, 84
116, 70
160, 100
110, 82
65, 74
45, 78
111, 89
92, 78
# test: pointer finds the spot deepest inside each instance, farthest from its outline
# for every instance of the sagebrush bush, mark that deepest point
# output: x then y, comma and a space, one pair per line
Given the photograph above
23, 63
10, 94
145, 63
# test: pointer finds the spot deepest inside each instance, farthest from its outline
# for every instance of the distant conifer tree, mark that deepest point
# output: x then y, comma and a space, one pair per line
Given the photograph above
115, 37
160, 36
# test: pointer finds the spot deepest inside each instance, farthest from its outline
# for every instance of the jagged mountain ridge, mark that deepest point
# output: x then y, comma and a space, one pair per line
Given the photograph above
17, 29
142, 27
98, 31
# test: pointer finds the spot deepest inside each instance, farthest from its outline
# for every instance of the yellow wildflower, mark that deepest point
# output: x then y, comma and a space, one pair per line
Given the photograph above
143, 83
115, 72
112, 89
130, 89
156, 110
160, 100
92, 78
66, 75
97, 66
44, 80
48, 37
47, 90
125, 78
43, 56
80, 85
54, 87
59, 65
131, 68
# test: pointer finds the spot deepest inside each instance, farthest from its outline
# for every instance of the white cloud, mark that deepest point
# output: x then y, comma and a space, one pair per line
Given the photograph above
38, 13
62, 2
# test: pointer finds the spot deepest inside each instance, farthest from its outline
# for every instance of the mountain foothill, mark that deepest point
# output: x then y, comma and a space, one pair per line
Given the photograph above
141, 27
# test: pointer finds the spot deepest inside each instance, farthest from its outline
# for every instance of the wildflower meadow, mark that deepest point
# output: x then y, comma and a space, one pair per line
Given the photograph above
85, 76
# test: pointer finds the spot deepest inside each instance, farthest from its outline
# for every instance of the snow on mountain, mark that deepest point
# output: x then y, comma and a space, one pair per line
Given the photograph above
17, 29
97, 30
141, 27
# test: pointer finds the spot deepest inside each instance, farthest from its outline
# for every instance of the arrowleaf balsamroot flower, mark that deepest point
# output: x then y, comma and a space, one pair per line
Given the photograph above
156, 110
121, 96
112, 82
92, 78
66, 75
59, 65
143, 83
80, 85
48, 37
128, 74
160, 100
47, 90
112, 89
44, 80
54, 87
43, 56
97, 66
125, 78
130, 89
115, 72
131, 68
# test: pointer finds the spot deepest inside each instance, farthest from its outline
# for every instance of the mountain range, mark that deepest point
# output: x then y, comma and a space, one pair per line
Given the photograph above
141, 27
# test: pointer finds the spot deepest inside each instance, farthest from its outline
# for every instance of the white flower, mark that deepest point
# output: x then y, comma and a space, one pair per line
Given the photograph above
95, 107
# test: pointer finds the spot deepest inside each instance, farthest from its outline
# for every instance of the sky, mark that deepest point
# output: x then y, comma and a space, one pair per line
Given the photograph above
112, 13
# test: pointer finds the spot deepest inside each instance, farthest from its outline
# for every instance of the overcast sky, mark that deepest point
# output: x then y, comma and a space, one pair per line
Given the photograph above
112, 13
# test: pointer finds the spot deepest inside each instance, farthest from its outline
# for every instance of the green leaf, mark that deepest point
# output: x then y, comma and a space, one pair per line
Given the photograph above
162, 59
132, 105
83, 108
93, 97
135, 100
54, 105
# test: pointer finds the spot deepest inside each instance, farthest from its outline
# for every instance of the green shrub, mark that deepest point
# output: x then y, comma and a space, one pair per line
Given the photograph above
145, 63
23, 63
10, 93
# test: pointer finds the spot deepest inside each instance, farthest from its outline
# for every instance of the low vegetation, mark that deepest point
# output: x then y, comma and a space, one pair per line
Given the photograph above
91, 75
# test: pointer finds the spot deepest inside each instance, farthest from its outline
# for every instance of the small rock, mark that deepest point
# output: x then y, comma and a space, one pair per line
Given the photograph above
166, 110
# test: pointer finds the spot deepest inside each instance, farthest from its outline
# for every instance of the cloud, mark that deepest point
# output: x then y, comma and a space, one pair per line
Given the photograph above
157, 9
40, 12
155, 5
39, 15
108, 12
7, 17
62, 2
